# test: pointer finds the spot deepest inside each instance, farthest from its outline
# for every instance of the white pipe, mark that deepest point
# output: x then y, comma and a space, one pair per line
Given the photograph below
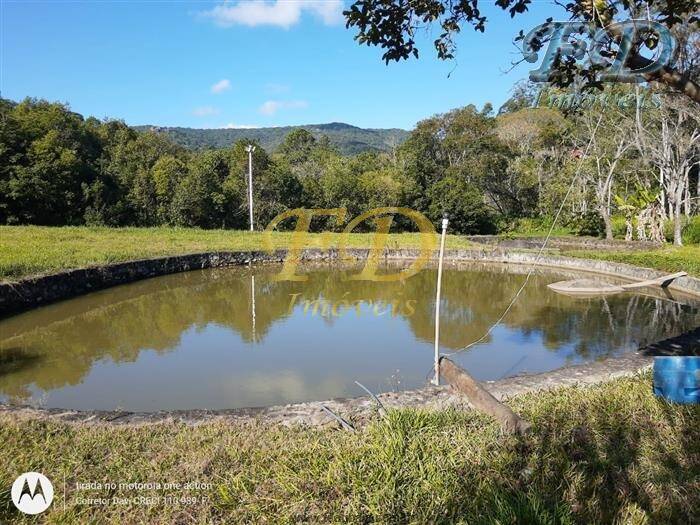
436, 380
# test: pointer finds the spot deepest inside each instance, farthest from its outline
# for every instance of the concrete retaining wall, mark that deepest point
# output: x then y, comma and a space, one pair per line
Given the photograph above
562, 243
33, 292
37, 291
358, 410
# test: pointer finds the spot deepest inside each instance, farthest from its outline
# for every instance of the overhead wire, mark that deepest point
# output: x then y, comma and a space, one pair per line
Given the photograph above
541, 249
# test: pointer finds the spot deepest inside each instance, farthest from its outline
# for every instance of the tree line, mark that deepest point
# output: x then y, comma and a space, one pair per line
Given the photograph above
486, 171
349, 140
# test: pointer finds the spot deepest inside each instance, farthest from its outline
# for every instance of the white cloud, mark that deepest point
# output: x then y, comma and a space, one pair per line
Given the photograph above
330, 11
280, 13
221, 86
205, 111
273, 106
231, 125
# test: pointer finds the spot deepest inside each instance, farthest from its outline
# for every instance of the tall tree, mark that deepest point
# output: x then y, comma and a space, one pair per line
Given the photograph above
50, 155
669, 139
606, 155
540, 141
393, 24
460, 146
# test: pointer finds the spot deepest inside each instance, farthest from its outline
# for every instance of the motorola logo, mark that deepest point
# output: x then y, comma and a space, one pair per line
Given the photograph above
32, 493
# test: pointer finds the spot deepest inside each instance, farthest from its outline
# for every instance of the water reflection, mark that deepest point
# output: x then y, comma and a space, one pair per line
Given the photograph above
229, 338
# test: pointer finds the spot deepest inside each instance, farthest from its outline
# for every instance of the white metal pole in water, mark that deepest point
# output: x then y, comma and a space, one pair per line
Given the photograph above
250, 149
436, 379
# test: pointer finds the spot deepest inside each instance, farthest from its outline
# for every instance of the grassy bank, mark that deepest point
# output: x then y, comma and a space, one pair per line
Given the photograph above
32, 250
607, 453
669, 258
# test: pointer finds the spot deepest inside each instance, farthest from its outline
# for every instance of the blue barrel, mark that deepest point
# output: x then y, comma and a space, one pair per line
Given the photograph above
677, 378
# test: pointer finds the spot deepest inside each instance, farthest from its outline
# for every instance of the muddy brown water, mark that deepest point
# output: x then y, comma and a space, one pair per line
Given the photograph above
236, 337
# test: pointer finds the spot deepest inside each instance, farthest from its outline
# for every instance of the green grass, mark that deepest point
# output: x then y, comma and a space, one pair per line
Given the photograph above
32, 250
602, 454
610, 453
668, 258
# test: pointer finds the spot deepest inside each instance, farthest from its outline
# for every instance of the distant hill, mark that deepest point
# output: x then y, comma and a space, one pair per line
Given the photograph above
348, 139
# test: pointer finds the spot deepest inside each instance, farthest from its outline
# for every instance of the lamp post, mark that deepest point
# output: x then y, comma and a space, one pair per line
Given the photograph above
436, 379
250, 149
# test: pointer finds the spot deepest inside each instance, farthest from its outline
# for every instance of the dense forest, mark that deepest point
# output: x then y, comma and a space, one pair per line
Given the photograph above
347, 139
629, 170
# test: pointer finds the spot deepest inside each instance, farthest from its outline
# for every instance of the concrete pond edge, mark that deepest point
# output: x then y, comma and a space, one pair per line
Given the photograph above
33, 292
359, 410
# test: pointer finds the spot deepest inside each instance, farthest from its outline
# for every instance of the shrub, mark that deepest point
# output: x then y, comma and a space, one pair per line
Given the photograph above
589, 223
619, 227
690, 230
464, 205
532, 226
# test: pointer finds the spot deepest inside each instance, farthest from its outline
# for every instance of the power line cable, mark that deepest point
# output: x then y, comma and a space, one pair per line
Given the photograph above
539, 253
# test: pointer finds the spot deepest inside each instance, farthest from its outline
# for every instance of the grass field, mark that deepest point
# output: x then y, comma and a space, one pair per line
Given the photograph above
602, 454
33, 250
669, 258
612, 453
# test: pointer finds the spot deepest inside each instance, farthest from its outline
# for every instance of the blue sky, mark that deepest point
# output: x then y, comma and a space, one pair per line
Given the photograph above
242, 63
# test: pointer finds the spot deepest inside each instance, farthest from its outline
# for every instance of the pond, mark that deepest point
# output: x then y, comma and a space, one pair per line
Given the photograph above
236, 337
